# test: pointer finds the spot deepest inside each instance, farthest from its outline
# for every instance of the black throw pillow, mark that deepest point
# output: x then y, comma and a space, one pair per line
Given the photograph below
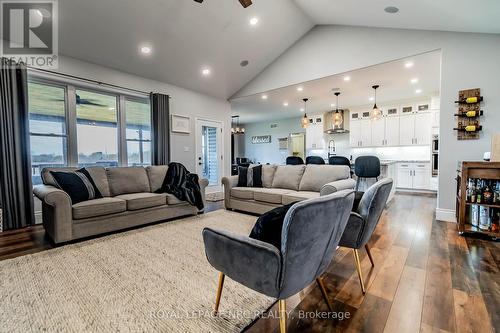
257, 176
269, 225
242, 176
79, 185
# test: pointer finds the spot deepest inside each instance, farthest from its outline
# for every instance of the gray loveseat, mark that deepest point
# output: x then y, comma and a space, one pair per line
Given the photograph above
128, 200
284, 184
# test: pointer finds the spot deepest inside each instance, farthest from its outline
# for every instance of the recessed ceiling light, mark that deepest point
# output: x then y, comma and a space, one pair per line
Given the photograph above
413, 81
264, 96
302, 110
409, 64
391, 10
285, 104
371, 99
206, 71
146, 49
347, 78
300, 89
332, 105
254, 21
418, 91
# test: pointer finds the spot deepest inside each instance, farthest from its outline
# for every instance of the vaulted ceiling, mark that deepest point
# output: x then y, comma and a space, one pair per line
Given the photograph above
187, 37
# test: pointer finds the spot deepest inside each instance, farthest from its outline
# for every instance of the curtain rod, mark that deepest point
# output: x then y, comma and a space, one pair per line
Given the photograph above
100, 83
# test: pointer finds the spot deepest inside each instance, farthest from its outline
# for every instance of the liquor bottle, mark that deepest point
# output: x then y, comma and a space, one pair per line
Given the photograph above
496, 193
487, 195
470, 114
479, 191
468, 191
484, 218
473, 191
495, 222
470, 100
469, 128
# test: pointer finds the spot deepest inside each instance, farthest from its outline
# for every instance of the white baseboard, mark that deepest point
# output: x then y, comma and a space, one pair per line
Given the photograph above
446, 215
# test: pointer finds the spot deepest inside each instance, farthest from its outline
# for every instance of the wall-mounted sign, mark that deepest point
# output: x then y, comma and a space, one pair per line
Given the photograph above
261, 139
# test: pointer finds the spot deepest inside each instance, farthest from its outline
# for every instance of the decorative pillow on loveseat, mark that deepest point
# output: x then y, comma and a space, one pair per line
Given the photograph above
250, 176
78, 184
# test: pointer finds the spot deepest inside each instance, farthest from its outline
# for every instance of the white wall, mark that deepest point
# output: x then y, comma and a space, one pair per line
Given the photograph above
269, 152
183, 102
468, 61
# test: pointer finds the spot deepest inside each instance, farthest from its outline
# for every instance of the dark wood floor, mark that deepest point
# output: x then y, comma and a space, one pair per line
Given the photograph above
426, 278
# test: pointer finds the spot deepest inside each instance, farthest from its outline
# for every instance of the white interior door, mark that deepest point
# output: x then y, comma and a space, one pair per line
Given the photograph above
209, 153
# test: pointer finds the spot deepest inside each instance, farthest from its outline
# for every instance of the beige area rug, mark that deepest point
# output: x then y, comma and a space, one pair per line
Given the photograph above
154, 279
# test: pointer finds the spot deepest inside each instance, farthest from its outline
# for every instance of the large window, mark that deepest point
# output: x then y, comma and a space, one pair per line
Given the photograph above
84, 127
97, 128
138, 120
48, 135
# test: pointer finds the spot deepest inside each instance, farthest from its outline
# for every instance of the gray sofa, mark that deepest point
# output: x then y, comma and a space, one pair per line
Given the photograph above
284, 184
128, 200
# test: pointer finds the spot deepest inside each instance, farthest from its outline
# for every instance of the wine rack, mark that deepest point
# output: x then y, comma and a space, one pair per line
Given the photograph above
469, 114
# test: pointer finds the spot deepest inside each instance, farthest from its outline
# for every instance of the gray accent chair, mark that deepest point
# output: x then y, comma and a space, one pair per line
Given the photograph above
364, 220
311, 233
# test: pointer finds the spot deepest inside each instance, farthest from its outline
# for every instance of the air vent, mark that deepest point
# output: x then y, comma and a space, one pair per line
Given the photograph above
274, 125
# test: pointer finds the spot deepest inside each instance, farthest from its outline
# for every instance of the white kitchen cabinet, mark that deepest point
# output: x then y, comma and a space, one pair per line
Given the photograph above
406, 130
423, 128
366, 132
355, 133
392, 131
415, 129
314, 134
414, 176
378, 132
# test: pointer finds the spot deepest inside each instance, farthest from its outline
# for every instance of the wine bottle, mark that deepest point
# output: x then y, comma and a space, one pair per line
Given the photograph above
470, 100
470, 114
469, 128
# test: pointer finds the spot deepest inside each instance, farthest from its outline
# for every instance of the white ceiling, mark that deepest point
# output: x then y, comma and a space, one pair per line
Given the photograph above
185, 36
393, 77
446, 15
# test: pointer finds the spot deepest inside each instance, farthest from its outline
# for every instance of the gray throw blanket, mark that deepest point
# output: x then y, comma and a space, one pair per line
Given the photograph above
182, 184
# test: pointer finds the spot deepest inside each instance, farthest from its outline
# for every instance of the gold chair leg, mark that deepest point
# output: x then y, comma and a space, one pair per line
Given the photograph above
219, 292
369, 255
358, 268
321, 286
282, 311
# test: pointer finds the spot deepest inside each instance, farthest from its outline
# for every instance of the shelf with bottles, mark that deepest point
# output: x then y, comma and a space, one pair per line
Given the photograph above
482, 211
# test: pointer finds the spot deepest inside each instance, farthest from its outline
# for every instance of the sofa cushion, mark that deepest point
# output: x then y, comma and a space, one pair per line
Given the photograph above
156, 175
242, 192
172, 200
268, 175
270, 195
298, 196
315, 176
47, 177
288, 176
100, 179
128, 180
137, 201
98, 207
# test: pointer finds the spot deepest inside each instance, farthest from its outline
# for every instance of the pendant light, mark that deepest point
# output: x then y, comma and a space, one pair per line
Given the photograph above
337, 118
235, 126
305, 120
376, 113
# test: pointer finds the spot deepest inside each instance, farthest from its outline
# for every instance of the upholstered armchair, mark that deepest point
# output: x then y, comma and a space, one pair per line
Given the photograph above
310, 235
364, 220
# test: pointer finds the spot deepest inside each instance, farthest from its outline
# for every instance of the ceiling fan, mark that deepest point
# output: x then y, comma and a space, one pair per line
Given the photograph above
244, 3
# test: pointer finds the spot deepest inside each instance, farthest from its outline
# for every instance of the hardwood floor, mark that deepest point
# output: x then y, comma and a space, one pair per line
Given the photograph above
426, 278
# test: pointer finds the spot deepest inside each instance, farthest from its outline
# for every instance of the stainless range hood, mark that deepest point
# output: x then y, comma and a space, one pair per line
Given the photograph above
328, 126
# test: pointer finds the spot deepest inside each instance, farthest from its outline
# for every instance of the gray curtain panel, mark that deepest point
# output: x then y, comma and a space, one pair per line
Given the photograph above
16, 190
161, 128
